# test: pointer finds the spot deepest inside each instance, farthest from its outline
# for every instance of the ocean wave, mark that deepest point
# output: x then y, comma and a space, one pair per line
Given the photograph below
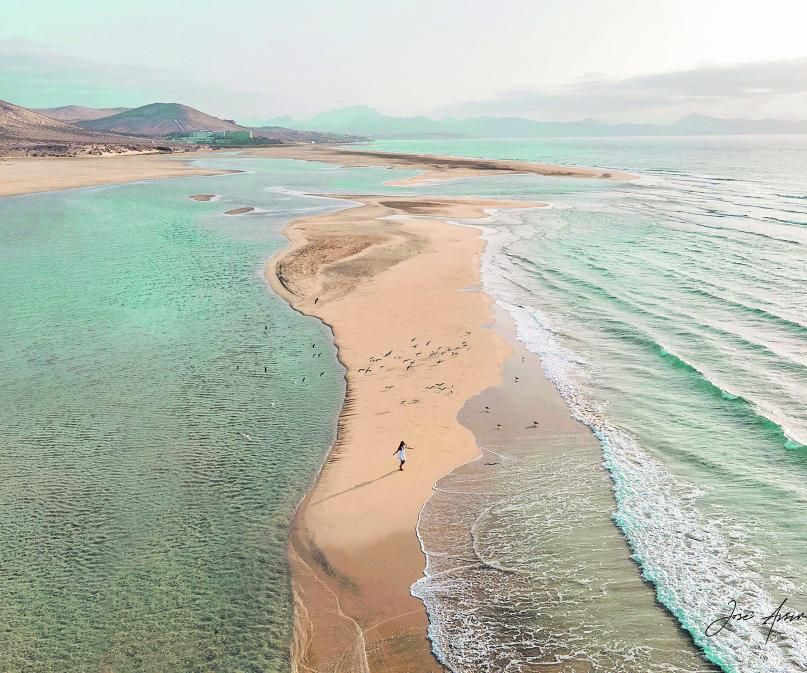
755, 409
779, 320
782, 220
750, 407
671, 540
694, 561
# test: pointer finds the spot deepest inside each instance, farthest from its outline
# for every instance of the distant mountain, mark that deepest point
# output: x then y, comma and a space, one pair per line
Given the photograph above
367, 121
288, 135
159, 119
77, 113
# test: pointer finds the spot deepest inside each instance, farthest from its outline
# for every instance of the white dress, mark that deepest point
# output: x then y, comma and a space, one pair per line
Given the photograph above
401, 453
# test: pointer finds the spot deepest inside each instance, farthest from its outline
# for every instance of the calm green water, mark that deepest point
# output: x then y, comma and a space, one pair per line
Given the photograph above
156, 433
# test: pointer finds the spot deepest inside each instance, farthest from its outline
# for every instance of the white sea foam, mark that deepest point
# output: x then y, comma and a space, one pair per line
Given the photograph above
696, 564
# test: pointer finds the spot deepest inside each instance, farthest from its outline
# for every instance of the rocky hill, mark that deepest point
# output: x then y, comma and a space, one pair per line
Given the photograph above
146, 128
158, 120
24, 132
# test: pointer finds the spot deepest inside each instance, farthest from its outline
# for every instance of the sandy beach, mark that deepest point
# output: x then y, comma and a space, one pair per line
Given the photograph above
27, 175
402, 298
433, 168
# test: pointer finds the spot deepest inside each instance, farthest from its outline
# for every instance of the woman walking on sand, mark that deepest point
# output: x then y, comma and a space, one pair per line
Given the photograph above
400, 453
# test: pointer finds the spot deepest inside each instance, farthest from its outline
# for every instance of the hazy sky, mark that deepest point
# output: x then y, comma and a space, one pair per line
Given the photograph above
617, 60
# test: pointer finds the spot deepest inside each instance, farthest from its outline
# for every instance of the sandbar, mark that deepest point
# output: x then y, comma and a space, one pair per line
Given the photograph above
410, 322
25, 175
433, 168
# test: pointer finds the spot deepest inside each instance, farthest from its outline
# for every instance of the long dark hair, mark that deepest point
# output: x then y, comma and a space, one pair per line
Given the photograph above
402, 444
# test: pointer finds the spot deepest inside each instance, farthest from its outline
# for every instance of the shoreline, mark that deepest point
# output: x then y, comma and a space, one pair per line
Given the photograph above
432, 168
518, 453
354, 551
29, 175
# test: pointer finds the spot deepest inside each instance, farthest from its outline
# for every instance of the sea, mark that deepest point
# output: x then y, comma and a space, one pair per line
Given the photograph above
162, 413
670, 312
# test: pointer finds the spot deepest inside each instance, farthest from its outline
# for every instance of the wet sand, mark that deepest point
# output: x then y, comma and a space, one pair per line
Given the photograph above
239, 211
43, 174
411, 327
579, 598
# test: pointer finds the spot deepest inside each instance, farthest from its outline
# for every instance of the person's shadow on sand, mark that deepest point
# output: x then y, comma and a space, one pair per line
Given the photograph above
356, 487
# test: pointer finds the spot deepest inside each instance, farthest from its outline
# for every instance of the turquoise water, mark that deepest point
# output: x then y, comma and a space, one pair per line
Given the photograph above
156, 432
150, 464
671, 313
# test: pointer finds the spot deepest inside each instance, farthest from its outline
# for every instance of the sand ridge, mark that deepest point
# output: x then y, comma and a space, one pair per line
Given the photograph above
26, 175
433, 168
402, 298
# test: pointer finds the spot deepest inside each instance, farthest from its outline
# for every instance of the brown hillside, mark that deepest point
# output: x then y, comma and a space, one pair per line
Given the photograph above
77, 113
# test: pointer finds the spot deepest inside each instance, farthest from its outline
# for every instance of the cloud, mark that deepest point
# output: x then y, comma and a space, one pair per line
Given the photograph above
777, 88
30, 71
33, 75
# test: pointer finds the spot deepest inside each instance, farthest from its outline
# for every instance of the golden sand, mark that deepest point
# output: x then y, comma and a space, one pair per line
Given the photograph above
409, 320
44, 174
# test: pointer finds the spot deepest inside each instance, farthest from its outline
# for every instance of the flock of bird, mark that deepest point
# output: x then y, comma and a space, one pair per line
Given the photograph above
433, 357
424, 354
427, 355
